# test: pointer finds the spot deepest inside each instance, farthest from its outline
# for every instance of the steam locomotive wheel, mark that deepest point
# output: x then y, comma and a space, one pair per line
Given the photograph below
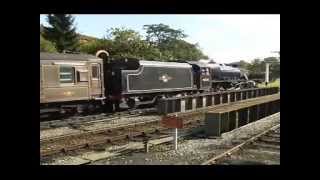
131, 103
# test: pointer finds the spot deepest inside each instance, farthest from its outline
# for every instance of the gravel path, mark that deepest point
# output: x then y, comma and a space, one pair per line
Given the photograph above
194, 150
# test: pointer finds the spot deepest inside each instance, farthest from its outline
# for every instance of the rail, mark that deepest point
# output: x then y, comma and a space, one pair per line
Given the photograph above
232, 150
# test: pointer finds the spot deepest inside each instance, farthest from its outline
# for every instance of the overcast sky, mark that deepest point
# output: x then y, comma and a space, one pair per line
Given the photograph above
225, 38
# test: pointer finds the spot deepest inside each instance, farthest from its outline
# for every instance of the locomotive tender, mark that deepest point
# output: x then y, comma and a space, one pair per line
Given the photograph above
81, 82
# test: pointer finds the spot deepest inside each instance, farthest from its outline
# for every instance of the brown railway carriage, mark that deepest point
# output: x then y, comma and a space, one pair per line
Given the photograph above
70, 78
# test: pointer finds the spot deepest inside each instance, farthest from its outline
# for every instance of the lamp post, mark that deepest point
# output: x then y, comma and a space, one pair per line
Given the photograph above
267, 73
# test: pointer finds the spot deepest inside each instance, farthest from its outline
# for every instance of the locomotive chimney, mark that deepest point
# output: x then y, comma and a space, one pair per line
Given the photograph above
103, 54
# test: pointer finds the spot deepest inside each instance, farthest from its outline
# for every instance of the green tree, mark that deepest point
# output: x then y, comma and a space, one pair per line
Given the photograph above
161, 34
271, 60
257, 68
123, 42
126, 42
171, 44
93, 46
46, 46
62, 32
243, 64
182, 50
129, 43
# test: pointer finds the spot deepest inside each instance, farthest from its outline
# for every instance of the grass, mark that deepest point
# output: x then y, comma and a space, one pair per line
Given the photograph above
275, 83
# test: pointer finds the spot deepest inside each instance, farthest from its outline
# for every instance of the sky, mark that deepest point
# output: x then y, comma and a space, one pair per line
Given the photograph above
224, 38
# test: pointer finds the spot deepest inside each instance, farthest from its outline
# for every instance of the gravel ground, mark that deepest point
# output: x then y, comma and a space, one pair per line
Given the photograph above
194, 150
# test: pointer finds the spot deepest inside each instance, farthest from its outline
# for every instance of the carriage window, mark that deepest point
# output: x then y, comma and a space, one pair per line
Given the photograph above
66, 74
95, 72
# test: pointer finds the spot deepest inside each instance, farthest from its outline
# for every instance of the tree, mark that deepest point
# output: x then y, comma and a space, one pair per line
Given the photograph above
46, 46
243, 64
271, 60
126, 42
171, 44
61, 33
257, 68
160, 34
93, 46
123, 42
182, 50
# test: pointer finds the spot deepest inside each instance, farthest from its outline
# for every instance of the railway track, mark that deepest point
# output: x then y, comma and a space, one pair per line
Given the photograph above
256, 150
76, 121
194, 114
144, 129
125, 132
149, 129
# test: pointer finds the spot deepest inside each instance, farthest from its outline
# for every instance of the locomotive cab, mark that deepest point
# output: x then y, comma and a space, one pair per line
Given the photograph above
201, 75
114, 74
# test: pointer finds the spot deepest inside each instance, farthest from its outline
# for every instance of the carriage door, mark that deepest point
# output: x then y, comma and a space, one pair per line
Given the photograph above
96, 79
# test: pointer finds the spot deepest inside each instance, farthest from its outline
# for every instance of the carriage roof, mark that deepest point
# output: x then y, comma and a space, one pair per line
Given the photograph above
64, 56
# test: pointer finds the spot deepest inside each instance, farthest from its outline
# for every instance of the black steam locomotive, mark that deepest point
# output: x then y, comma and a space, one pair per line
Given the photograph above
78, 81
132, 82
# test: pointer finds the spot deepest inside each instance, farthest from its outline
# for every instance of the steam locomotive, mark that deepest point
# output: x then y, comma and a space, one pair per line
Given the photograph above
86, 83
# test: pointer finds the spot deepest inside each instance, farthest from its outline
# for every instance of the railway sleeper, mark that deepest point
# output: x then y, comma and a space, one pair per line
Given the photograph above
269, 140
273, 135
265, 151
265, 146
